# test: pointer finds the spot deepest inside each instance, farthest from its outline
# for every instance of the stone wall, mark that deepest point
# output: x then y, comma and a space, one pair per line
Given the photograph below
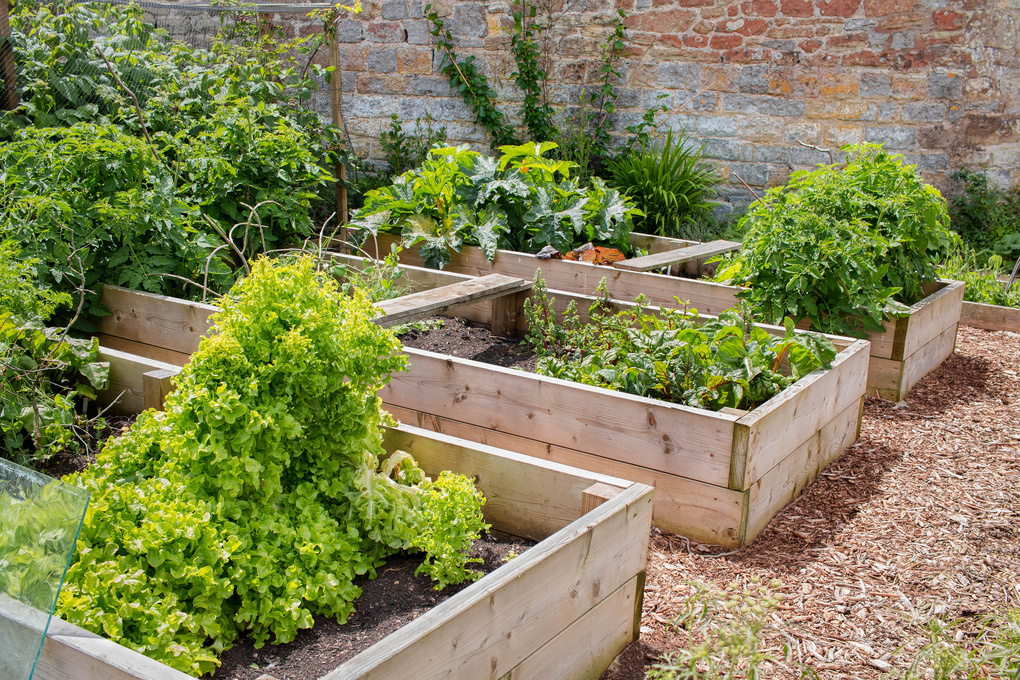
766, 85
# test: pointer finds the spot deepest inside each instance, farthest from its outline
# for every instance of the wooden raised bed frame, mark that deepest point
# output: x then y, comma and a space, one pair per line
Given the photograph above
564, 609
719, 477
911, 346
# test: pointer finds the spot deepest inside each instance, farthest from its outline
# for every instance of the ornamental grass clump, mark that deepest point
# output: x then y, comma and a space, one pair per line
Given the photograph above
252, 503
842, 247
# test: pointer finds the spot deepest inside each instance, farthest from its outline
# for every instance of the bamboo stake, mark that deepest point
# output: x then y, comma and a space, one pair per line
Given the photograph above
336, 105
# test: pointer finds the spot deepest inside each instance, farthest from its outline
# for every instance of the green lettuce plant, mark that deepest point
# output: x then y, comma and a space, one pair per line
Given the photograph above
253, 502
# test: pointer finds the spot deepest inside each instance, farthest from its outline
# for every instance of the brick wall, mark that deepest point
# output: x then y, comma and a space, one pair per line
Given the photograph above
763, 84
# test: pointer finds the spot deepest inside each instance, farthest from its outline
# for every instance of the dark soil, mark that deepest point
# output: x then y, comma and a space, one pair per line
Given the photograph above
462, 338
69, 460
390, 601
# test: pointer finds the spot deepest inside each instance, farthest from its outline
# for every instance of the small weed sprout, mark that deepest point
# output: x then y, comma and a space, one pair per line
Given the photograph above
724, 630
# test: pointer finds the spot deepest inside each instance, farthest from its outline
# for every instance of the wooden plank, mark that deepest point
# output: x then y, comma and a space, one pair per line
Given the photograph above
72, 652
503, 314
927, 359
701, 251
930, 317
416, 278
126, 390
584, 277
155, 386
782, 484
653, 243
990, 317
884, 376
691, 442
587, 646
495, 624
525, 496
882, 344
416, 306
789, 419
158, 320
595, 495
699, 511
167, 356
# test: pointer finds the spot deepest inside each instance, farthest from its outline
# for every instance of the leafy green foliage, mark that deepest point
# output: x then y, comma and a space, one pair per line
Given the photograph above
670, 185
677, 357
470, 83
983, 285
843, 247
523, 201
986, 217
45, 376
150, 198
257, 497
405, 150
536, 113
452, 524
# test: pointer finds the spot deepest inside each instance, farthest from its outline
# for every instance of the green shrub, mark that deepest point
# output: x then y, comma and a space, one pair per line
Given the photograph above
670, 185
987, 218
983, 285
257, 497
45, 376
844, 247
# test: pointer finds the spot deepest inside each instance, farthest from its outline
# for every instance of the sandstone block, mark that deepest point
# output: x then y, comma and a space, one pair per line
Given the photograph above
777, 106
722, 149
384, 32
892, 137
771, 154
875, 85
348, 31
469, 21
754, 79
947, 85
394, 10
740, 103
753, 174
922, 112
838, 8
678, 75
382, 60
718, 126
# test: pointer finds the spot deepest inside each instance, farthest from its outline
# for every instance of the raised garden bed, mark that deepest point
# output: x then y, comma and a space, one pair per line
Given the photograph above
564, 609
911, 346
990, 317
720, 477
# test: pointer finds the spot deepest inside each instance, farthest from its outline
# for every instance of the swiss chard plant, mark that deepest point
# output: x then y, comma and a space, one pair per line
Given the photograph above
842, 246
253, 502
521, 201
715, 363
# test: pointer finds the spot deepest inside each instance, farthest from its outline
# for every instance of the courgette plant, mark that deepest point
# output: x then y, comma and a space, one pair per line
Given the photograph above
521, 201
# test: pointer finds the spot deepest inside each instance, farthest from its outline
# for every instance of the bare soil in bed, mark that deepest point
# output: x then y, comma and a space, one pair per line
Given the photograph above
462, 338
390, 601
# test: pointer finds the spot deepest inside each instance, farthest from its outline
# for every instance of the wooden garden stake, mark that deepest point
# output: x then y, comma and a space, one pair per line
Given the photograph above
337, 105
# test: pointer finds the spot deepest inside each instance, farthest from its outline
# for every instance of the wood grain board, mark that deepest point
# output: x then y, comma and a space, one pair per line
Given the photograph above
990, 317
417, 306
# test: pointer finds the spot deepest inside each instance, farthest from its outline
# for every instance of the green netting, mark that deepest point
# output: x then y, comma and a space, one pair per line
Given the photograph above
39, 522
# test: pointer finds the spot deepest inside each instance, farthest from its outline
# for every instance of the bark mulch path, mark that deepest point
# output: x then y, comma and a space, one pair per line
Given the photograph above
919, 519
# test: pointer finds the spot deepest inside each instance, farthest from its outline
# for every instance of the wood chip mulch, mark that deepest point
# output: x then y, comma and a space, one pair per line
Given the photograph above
919, 519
